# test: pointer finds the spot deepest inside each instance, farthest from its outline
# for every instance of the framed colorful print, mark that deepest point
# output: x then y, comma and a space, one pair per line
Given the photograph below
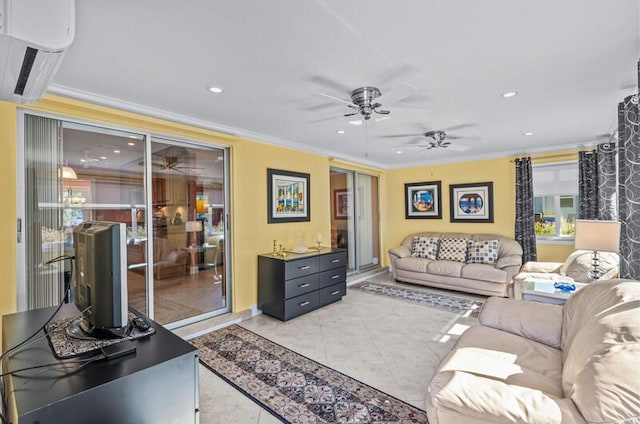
341, 204
288, 196
423, 200
471, 202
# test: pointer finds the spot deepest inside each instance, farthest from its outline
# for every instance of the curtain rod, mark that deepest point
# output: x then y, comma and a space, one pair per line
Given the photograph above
566, 155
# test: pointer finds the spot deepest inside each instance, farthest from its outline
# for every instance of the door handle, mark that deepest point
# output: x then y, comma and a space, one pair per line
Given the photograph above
304, 285
304, 267
304, 303
333, 293
335, 276
335, 261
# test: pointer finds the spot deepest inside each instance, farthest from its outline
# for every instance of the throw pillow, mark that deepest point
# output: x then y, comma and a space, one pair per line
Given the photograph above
424, 247
483, 251
453, 249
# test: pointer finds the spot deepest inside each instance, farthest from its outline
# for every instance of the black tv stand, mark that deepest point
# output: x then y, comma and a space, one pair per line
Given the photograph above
138, 388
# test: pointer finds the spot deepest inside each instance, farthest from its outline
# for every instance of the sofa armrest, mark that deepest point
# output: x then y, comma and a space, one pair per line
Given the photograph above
464, 397
509, 260
541, 267
400, 252
533, 320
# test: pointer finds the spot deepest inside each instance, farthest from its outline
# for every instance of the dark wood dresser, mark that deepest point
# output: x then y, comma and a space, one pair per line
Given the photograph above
301, 282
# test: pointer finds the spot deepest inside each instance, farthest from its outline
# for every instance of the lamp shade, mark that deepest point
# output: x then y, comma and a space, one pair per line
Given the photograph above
597, 235
192, 226
68, 173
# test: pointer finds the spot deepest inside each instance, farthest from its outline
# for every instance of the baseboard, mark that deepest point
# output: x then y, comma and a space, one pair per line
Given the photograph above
255, 311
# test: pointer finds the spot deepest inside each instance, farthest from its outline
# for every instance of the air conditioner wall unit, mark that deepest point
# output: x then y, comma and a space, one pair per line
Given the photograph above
34, 36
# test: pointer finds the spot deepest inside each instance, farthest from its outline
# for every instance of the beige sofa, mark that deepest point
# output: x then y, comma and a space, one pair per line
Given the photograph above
529, 362
490, 280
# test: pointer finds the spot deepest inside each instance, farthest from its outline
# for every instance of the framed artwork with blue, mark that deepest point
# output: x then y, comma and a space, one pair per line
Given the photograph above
471, 202
423, 200
288, 196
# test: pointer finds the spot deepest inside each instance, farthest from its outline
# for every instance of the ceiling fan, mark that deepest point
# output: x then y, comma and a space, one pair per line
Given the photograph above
169, 163
435, 138
365, 100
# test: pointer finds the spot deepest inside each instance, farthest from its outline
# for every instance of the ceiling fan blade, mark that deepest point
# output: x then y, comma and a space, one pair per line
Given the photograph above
351, 114
319, 107
332, 118
329, 83
398, 94
401, 135
458, 148
393, 74
337, 99
459, 127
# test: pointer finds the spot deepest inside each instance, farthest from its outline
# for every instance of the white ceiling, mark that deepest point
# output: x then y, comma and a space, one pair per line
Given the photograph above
571, 62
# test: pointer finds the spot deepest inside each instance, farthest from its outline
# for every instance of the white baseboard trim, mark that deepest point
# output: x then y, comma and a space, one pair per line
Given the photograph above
255, 311
210, 329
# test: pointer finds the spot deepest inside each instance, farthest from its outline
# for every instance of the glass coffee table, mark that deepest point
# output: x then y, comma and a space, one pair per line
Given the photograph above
543, 291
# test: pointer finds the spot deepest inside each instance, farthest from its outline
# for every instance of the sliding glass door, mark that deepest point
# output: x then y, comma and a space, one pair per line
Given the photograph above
354, 220
172, 195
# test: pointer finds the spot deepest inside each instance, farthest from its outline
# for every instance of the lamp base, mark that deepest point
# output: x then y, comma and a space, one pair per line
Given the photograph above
595, 272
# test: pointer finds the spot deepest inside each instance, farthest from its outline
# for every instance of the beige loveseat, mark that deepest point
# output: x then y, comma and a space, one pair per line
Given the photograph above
528, 362
487, 279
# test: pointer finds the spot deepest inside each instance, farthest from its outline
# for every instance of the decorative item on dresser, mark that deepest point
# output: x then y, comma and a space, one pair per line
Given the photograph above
299, 283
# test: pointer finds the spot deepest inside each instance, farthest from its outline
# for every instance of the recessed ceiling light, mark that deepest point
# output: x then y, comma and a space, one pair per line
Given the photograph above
116, 151
527, 134
358, 122
103, 157
509, 94
340, 131
398, 152
215, 90
131, 144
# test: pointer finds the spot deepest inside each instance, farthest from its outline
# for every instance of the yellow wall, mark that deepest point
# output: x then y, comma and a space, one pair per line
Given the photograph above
554, 252
250, 160
499, 171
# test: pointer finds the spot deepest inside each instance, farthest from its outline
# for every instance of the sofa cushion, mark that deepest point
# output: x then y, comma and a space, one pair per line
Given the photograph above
506, 357
482, 251
424, 247
448, 268
484, 273
601, 343
412, 264
453, 249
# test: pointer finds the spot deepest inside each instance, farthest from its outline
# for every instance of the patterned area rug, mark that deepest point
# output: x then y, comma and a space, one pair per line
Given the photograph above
460, 305
295, 388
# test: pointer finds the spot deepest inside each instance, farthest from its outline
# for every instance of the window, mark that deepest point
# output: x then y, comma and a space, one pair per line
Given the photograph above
555, 190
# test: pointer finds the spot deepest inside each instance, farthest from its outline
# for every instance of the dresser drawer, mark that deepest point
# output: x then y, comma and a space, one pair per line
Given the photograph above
332, 293
300, 305
300, 267
333, 260
300, 285
331, 277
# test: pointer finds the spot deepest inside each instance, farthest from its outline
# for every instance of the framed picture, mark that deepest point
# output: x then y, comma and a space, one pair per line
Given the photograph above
288, 198
341, 204
422, 200
471, 202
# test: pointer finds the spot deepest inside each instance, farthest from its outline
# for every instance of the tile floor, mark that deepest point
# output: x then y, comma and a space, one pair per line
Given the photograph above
391, 345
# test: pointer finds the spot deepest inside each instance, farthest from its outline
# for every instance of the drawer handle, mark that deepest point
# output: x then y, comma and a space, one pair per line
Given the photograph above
304, 303
304, 285
335, 261
333, 293
304, 267
335, 276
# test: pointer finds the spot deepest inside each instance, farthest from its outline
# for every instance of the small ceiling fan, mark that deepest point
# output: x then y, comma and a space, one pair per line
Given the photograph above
434, 138
170, 163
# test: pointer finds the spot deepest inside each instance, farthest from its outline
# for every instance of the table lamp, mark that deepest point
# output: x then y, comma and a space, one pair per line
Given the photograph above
597, 236
193, 227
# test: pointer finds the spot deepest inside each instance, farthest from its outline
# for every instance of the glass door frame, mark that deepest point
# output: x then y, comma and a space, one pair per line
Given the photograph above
21, 284
355, 209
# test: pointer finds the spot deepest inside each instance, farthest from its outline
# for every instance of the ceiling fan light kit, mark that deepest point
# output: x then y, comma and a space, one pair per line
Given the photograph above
363, 102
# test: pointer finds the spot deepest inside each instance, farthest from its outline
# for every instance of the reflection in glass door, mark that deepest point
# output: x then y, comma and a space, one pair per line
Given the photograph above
354, 218
171, 196
188, 226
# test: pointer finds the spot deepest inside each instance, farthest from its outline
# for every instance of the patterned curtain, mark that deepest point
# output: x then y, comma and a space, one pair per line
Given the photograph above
629, 185
588, 185
525, 232
607, 182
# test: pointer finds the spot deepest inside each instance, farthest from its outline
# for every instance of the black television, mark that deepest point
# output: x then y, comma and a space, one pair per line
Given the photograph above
100, 286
